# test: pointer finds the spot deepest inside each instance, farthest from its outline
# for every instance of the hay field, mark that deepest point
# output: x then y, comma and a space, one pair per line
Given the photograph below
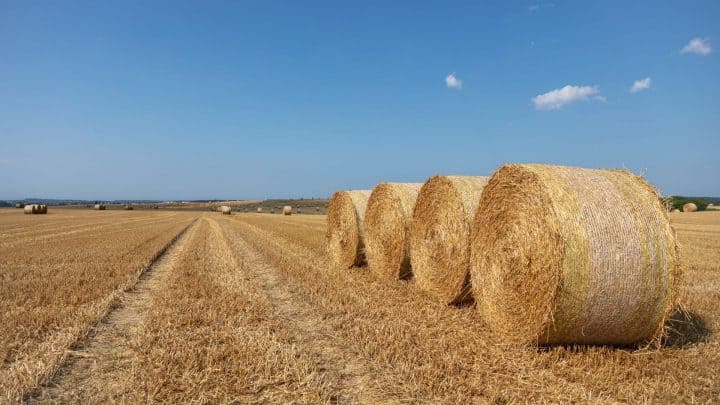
242, 308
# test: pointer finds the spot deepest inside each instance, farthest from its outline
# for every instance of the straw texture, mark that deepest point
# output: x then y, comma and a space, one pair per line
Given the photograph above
287, 210
344, 233
573, 256
689, 207
440, 233
387, 223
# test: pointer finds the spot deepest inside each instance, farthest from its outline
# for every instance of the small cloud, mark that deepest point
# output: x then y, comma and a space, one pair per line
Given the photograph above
452, 82
699, 46
601, 99
556, 99
534, 7
640, 85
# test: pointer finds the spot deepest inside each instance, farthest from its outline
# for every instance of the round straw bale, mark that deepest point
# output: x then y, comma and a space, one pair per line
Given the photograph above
689, 207
675, 210
42, 209
259, 209
440, 236
129, 207
387, 222
573, 256
287, 210
29, 209
225, 210
344, 233
99, 207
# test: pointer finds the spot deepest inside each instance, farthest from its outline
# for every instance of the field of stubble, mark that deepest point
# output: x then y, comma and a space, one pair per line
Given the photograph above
176, 307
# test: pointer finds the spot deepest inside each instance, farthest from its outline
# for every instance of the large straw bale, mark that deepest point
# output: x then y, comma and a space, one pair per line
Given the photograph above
564, 255
30, 208
287, 210
440, 236
689, 207
99, 207
344, 233
387, 223
225, 210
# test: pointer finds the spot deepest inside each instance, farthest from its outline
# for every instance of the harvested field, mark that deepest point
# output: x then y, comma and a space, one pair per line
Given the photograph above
242, 308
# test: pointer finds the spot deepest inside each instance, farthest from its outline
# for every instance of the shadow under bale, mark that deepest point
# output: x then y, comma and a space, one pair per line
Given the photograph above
684, 328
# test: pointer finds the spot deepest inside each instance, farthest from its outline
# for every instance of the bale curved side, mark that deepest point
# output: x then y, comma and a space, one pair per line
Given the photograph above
387, 223
440, 233
344, 232
225, 210
690, 207
573, 256
287, 210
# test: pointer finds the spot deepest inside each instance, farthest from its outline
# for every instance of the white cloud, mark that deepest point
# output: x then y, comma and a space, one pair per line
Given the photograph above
700, 46
640, 85
555, 99
453, 82
534, 7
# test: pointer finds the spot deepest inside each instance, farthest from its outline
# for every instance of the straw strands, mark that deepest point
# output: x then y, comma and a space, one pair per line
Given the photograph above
387, 223
439, 235
573, 256
344, 232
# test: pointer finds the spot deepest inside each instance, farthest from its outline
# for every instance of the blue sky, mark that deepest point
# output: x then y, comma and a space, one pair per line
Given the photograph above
264, 99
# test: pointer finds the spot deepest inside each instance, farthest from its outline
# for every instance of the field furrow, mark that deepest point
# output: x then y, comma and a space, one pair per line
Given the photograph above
212, 336
350, 376
53, 291
97, 368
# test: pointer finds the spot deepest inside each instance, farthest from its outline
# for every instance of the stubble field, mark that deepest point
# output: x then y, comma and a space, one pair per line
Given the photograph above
176, 307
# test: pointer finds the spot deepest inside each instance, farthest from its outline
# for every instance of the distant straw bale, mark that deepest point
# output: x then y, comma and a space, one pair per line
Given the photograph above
690, 207
564, 255
387, 223
287, 210
99, 207
344, 232
440, 236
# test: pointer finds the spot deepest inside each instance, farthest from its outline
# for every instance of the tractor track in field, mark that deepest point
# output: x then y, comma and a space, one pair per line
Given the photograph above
352, 375
96, 368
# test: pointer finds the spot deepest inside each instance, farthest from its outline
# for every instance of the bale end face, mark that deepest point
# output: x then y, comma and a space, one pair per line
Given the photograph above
287, 210
439, 236
573, 256
387, 223
344, 232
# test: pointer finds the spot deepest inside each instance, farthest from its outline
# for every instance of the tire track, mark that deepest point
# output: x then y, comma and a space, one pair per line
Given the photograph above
352, 375
96, 368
